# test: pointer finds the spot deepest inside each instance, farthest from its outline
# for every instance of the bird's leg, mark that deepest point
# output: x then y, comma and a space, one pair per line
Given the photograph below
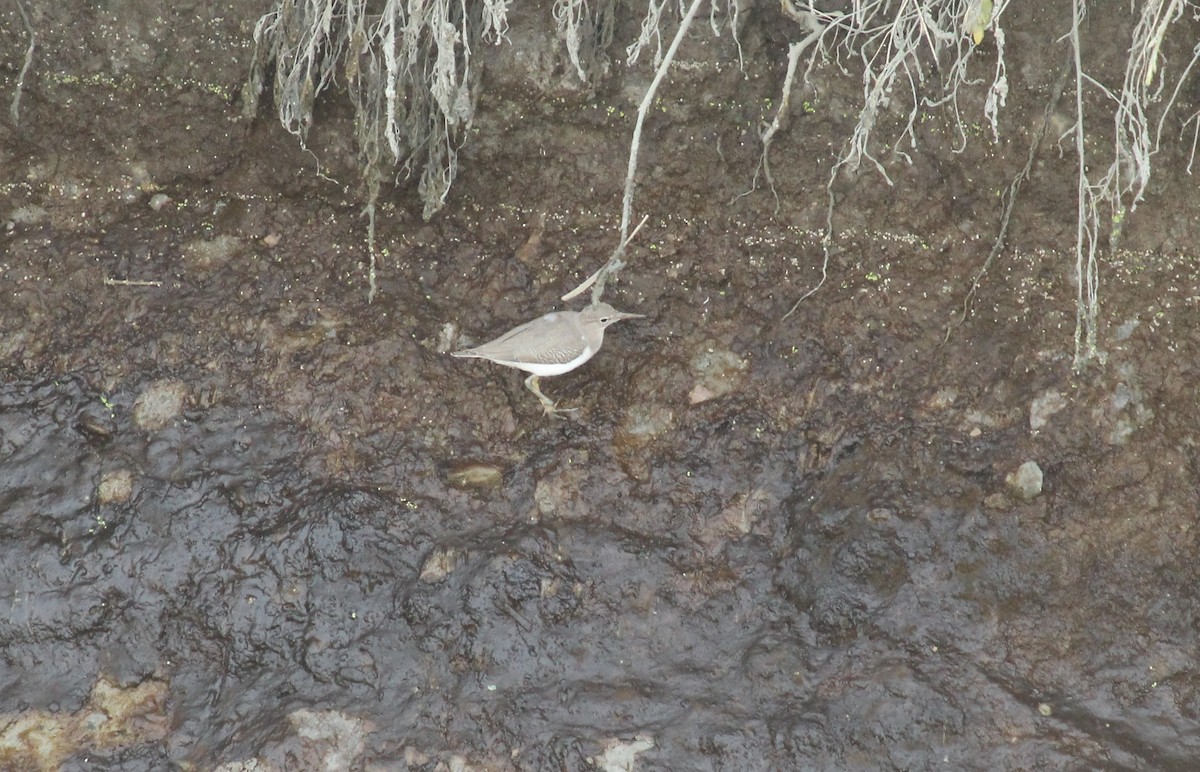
531, 383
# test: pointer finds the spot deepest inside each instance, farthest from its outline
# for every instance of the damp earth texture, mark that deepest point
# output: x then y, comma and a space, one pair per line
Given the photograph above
251, 521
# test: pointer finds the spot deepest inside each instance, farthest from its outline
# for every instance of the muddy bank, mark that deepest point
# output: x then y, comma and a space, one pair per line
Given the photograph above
248, 518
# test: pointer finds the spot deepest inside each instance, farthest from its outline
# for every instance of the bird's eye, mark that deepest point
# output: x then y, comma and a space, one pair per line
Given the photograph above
604, 320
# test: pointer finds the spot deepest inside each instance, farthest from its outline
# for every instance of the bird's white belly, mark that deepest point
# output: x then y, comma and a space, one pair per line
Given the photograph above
544, 369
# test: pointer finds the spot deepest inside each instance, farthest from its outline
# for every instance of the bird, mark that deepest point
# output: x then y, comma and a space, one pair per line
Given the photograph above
553, 344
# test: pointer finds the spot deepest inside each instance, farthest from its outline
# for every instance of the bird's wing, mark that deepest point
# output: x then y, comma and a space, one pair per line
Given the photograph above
512, 344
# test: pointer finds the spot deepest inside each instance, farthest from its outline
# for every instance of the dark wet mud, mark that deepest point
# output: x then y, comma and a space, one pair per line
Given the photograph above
250, 521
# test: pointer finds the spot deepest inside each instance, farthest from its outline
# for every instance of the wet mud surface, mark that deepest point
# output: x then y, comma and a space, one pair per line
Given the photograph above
250, 521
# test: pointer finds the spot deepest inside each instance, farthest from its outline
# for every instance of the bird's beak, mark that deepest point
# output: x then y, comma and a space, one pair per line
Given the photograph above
622, 315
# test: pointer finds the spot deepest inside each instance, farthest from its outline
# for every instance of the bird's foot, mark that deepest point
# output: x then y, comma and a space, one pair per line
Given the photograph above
548, 404
554, 411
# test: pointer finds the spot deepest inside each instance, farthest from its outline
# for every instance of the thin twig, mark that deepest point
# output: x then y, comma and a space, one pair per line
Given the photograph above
785, 101
15, 109
1010, 197
110, 282
369, 213
589, 281
826, 241
616, 261
1086, 274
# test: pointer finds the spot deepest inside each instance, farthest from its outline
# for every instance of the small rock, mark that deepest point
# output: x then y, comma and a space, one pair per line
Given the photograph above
643, 422
558, 493
733, 522
439, 564
717, 372
1043, 407
621, 755
38, 739
128, 715
996, 501
158, 405
634, 441
1123, 396
30, 214
475, 476
329, 739
981, 419
446, 338
1125, 329
209, 255
247, 765
943, 399
115, 487
701, 393
1026, 482
159, 201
